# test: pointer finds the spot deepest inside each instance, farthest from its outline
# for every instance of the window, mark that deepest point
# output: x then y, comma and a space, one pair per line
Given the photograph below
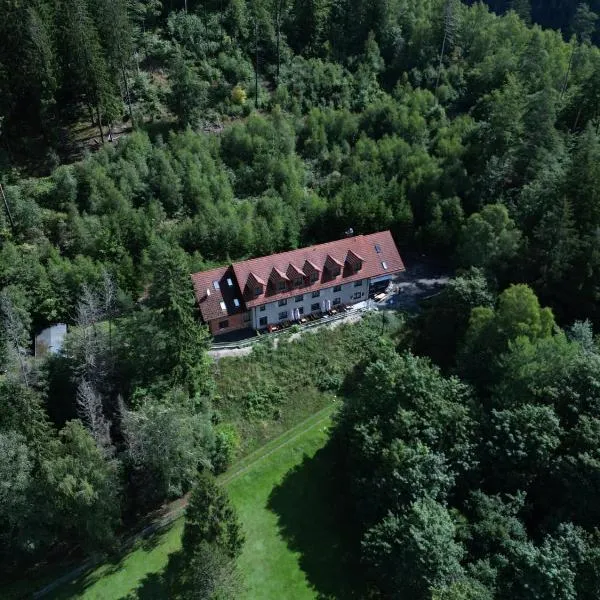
358, 283
282, 302
357, 295
378, 248
222, 304
316, 294
216, 285
298, 282
301, 310
281, 286
236, 302
299, 298
337, 301
314, 276
263, 321
223, 324
246, 317
384, 264
257, 291
283, 315
335, 272
263, 308
314, 307
229, 282
337, 288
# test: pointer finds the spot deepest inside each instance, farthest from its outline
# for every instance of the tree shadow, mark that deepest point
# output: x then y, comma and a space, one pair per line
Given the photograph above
152, 587
312, 522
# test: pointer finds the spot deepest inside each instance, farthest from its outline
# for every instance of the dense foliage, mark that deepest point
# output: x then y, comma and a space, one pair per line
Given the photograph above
472, 136
485, 487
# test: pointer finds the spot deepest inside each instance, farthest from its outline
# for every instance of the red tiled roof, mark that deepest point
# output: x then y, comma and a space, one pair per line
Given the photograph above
363, 246
374, 250
210, 303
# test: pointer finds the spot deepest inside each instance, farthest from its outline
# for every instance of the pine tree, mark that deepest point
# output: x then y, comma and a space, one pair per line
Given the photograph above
449, 31
87, 70
117, 35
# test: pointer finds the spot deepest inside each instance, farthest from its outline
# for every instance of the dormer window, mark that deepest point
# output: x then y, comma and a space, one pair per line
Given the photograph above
298, 281
354, 262
333, 266
281, 286
314, 277
254, 284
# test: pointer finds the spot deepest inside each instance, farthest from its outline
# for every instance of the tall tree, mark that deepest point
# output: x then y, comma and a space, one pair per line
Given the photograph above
212, 540
87, 71
116, 34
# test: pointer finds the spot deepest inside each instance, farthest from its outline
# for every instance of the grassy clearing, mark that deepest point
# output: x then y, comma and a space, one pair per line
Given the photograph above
277, 399
269, 391
269, 566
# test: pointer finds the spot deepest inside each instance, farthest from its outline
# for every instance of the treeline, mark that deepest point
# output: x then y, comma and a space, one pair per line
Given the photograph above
481, 484
572, 17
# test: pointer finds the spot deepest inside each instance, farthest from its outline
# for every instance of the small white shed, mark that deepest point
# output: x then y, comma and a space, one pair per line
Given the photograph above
50, 340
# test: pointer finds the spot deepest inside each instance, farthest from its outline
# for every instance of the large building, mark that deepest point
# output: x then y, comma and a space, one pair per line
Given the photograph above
285, 287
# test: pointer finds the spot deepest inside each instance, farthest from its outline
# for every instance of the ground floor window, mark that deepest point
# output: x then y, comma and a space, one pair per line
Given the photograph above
263, 321
223, 324
301, 310
314, 307
337, 301
283, 315
357, 295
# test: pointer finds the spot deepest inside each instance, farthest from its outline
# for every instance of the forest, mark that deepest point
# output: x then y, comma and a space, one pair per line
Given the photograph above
142, 140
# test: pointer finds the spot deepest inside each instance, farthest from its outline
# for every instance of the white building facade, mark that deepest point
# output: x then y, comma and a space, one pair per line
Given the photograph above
306, 303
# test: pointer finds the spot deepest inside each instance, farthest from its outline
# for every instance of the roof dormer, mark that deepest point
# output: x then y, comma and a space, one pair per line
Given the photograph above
333, 266
311, 271
354, 262
278, 279
296, 275
255, 285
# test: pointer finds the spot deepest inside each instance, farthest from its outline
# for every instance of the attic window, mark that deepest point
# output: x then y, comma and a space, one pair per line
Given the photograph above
229, 282
216, 285
378, 248
236, 302
384, 264
223, 307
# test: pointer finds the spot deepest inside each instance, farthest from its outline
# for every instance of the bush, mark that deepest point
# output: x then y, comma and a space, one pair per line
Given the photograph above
227, 442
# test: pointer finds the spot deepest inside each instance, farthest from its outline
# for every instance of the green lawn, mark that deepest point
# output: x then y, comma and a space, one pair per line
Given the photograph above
292, 546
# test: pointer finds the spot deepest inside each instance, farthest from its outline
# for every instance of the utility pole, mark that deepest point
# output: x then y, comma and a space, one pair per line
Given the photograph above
12, 223
256, 69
